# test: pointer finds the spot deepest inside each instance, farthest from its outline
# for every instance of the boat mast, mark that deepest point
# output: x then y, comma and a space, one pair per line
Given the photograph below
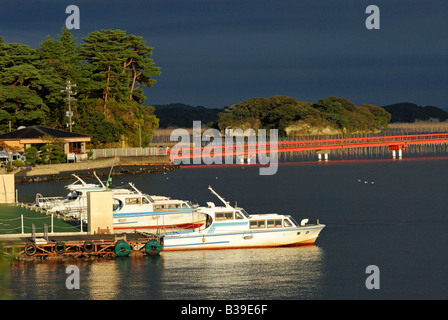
102, 184
133, 187
219, 197
80, 180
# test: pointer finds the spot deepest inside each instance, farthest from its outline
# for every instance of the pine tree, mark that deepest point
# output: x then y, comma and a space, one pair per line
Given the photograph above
119, 66
20, 83
60, 62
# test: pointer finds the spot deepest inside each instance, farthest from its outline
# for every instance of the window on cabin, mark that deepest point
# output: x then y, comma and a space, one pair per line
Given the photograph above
287, 223
245, 213
133, 201
238, 215
257, 224
145, 201
224, 216
275, 223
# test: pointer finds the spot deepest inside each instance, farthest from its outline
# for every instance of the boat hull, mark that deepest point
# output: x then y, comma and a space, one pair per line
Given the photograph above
153, 222
297, 236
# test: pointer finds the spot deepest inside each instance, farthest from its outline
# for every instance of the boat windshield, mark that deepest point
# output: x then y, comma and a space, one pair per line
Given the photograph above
245, 213
187, 204
72, 196
294, 221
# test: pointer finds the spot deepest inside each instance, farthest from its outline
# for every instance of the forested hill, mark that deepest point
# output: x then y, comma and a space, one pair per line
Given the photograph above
333, 115
410, 112
179, 115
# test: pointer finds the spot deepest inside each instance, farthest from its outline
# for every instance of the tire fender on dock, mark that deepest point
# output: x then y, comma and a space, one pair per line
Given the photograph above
153, 247
30, 249
88, 246
60, 247
122, 248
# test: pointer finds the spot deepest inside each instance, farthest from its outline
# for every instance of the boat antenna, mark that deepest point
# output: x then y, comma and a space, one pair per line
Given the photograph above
109, 178
94, 173
219, 197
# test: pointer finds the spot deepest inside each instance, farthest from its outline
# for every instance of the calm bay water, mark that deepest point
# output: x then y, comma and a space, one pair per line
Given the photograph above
383, 212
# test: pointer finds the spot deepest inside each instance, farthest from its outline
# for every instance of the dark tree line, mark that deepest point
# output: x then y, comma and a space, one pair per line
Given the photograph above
110, 69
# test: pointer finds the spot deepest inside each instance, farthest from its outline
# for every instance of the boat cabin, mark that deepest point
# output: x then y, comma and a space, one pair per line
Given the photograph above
158, 203
256, 221
283, 222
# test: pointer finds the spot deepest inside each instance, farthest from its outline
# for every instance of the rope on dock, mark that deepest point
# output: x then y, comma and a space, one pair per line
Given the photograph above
9, 219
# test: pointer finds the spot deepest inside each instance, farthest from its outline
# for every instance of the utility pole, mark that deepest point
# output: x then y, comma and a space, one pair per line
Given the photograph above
139, 135
69, 99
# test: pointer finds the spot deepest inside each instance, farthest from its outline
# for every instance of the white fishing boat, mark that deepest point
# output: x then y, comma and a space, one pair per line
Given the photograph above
232, 227
132, 210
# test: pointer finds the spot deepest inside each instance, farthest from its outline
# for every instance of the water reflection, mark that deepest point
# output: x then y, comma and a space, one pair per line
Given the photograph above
101, 279
277, 273
39, 280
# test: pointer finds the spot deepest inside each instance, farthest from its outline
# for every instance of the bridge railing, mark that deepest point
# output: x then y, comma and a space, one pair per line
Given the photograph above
366, 140
316, 144
128, 152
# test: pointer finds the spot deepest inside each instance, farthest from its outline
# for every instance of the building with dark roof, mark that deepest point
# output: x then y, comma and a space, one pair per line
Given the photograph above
38, 136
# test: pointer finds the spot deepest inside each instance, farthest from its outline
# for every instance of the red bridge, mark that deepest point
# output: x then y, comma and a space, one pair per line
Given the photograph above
393, 142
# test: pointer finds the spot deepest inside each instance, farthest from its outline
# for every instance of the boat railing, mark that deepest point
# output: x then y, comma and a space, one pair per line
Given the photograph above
76, 213
48, 202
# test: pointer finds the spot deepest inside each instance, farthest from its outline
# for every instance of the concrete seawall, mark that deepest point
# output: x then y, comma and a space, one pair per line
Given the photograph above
102, 167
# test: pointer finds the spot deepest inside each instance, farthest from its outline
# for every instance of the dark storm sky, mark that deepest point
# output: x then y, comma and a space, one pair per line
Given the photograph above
221, 52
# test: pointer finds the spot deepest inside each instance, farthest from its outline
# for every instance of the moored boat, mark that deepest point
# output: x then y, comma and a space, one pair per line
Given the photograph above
155, 214
230, 227
74, 202
132, 210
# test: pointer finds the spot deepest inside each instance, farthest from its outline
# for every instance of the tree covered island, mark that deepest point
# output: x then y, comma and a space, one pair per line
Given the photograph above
332, 115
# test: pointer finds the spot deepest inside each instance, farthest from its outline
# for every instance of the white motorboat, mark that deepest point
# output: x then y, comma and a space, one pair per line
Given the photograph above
232, 227
132, 209
154, 214
76, 199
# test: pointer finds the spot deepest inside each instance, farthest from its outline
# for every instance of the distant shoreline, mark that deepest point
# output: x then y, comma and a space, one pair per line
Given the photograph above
103, 168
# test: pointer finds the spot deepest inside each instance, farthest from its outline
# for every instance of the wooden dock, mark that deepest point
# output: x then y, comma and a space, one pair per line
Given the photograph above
82, 245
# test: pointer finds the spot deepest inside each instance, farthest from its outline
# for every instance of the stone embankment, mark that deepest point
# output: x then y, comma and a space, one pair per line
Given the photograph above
103, 168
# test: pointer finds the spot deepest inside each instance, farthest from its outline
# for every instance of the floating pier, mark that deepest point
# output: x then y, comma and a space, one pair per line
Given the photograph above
79, 246
99, 240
